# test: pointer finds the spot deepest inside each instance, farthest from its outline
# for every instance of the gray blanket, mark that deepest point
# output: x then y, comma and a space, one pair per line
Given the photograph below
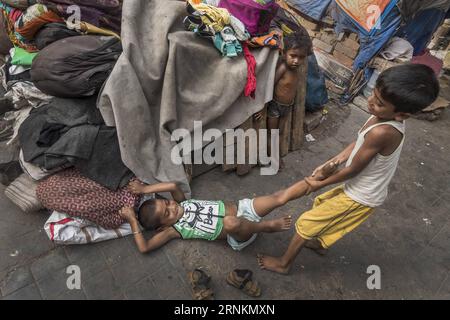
167, 78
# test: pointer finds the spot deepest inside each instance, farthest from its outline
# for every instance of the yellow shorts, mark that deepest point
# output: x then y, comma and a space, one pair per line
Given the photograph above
333, 215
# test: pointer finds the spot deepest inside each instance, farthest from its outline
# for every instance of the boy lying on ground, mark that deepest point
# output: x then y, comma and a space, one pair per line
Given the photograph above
238, 223
371, 162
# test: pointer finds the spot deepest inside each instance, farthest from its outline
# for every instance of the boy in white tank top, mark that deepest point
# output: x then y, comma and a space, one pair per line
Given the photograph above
371, 162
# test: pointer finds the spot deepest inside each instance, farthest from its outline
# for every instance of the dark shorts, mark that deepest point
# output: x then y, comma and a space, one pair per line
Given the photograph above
278, 110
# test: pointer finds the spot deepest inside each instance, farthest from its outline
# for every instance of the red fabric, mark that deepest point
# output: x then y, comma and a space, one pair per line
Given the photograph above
71, 193
29, 29
250, 87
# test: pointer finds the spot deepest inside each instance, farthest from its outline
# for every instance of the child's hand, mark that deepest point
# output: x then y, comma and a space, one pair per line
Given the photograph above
319, 169
258, 116
314, 185
127, 213
136, 187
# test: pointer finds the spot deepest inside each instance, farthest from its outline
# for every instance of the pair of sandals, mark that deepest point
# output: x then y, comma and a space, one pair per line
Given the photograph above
240, 279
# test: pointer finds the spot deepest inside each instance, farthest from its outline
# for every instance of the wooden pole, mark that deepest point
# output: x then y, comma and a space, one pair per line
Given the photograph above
243, 169
298, 114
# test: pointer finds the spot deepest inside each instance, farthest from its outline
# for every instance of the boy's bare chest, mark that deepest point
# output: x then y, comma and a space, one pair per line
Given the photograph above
289, 79
286, 88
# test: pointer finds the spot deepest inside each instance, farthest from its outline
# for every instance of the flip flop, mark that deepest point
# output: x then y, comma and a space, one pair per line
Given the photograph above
242, 280
200, 288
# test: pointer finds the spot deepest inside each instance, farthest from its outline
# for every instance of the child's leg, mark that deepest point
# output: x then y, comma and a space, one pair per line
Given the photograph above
284, 130
272, 124
266, 204
316, 246
282, 264
242, 229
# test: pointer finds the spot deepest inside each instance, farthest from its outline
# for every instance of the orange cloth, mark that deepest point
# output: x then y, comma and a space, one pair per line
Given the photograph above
29, 29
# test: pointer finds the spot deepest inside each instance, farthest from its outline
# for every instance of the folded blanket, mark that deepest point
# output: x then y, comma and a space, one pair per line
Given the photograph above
22, 192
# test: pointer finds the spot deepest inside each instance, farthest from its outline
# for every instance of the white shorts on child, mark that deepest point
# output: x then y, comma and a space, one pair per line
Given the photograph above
246, 211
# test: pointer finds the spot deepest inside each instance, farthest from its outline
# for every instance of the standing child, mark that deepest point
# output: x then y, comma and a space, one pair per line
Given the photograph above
371, 162
297, 47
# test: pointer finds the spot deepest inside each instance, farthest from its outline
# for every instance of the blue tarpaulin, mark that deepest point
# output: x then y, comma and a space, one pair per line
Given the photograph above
316, 91
421, 28
367, 15
312, 8
371, 44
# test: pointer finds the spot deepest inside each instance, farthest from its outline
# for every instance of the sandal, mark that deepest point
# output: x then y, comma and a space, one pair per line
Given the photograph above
200, 288
242, 279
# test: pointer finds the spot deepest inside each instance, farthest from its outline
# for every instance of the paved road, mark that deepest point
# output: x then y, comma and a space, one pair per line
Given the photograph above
408, 238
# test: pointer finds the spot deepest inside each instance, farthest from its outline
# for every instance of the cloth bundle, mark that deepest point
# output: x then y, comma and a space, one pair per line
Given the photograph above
65, 230
10, 16
100, 13
398, 48
227, 43
33, 19
53, 32
256, 17
72, 193
22, 192
209, 21
71, 132
76, 66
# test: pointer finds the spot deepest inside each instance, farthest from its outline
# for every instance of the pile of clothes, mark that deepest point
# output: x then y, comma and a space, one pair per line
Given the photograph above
55, 67
52, 68
233, 26
231, 23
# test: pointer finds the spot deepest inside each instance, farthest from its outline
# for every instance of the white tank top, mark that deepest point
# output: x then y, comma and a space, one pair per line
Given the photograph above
370, 186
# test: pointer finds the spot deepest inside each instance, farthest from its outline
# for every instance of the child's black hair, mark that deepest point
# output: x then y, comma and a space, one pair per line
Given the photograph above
410, 87
299, 39
147, 215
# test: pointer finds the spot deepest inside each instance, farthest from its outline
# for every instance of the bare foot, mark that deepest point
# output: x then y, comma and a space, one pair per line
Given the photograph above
281, 224
272, 264
316, 246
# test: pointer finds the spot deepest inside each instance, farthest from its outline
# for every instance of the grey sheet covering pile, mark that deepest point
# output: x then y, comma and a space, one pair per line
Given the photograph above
71, 132
165, 79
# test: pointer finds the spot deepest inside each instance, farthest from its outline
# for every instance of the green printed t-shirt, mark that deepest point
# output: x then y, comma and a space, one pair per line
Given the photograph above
201, 219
